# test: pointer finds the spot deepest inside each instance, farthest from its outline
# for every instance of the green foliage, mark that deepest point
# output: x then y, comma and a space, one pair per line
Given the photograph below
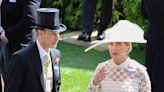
72, 16
131, 11
71, 12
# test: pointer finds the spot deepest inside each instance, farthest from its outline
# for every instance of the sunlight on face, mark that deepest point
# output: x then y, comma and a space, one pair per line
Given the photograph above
118, 51
49, 39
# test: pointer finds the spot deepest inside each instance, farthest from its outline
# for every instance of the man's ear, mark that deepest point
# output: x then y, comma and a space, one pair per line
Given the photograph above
39, 32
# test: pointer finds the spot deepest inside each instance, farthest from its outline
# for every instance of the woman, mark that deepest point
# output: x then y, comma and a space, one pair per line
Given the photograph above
121, 73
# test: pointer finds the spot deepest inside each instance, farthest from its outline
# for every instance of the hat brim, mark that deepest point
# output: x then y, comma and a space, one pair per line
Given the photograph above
61, 28
108, 41
101, 42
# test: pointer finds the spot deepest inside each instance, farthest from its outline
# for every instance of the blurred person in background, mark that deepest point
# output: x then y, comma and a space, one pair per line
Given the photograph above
16, 18
88, 10
153, 11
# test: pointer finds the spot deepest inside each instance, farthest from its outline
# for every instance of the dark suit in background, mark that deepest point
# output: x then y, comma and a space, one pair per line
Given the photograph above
26, 71
0, 87
0, 50
88, 11
17, 17
153, 10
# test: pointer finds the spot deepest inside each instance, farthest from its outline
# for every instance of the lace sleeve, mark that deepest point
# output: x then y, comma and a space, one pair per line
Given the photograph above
144, 85
91, 86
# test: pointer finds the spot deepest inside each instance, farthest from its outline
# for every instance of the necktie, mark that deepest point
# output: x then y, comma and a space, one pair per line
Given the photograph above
48, 74
46, 64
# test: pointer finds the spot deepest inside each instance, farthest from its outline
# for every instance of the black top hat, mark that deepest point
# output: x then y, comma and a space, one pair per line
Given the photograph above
48, 18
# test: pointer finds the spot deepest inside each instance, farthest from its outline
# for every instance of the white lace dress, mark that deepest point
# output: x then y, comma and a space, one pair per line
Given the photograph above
129, 76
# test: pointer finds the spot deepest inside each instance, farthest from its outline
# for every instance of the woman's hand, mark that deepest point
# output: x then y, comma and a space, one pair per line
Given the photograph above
100, 75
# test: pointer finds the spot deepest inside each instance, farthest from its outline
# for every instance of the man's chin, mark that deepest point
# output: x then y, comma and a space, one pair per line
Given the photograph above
54, 46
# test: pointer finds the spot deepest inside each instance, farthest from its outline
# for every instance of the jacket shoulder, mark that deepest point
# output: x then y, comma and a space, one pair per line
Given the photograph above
26, 50
55, 52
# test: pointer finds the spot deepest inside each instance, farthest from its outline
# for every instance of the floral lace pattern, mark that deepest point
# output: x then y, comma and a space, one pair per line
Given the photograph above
129, 76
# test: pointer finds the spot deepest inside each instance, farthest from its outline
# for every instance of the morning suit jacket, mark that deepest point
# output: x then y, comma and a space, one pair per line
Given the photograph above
16, 18
25, 73
153, 10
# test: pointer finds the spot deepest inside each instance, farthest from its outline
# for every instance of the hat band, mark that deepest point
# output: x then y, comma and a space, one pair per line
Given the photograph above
48, 27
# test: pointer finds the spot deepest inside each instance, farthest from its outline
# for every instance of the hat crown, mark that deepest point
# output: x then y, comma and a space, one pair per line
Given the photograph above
48, 18
125, 31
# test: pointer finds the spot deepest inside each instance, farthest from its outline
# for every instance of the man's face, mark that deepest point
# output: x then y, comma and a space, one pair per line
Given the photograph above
48, 39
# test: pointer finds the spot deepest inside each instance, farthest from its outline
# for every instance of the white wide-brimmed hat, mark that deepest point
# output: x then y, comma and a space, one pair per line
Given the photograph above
123, 31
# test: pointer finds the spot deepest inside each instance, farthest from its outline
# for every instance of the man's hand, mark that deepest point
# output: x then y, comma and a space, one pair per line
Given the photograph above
2, 36
1, 30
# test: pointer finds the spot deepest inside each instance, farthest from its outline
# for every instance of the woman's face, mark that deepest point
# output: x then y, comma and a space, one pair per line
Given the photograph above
118, 51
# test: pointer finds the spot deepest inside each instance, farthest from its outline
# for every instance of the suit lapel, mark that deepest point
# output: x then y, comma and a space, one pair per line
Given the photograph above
52, 60
37, 64
55, 58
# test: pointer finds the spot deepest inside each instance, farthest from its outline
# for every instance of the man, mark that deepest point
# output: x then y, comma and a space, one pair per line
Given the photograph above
154, 61
88, 11
16, 18
35, 68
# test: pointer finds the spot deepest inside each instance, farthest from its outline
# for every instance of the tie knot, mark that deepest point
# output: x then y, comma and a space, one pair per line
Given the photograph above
46, 57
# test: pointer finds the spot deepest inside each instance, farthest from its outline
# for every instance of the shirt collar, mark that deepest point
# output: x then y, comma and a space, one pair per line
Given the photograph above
42, 52
122, 65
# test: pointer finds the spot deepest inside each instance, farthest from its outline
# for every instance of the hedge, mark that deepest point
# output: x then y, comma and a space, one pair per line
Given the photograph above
71, 11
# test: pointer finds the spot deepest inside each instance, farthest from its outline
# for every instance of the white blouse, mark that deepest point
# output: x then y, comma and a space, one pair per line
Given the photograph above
130, 76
